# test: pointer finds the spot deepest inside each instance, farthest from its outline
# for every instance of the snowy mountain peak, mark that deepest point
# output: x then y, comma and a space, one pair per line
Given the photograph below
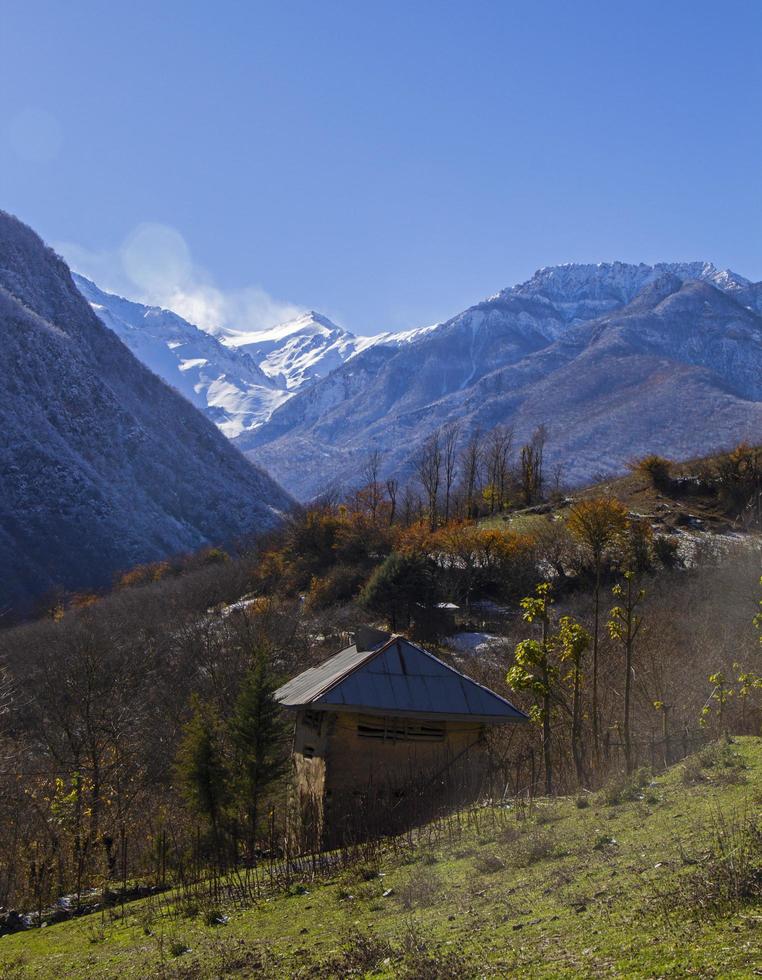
311, 318
226, 384
579, 291
240, 376
620, 280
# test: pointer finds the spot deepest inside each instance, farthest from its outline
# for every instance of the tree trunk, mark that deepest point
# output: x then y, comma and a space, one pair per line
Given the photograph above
596, 628
576, 740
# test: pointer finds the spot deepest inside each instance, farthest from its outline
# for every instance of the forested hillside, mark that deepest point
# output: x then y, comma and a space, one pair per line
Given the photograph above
622, 618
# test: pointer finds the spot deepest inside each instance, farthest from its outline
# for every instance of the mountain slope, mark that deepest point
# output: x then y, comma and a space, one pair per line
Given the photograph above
225, 383
618, 360
236, 377
103, 465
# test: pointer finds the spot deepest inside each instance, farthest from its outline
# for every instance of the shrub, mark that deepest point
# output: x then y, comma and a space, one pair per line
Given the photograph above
729, 874
625, 789
341, 584
666, 551
719, 761
535, 846
214, 917
421, 890
420, 962
656, 468
489, 863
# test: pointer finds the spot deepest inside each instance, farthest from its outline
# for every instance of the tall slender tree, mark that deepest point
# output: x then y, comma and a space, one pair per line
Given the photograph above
449, 458
428, 466
596, 523
471, 457
624, 626
257, 732
538, 667
534, 670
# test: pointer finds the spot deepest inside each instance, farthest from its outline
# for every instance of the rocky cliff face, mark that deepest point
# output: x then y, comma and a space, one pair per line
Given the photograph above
102, 465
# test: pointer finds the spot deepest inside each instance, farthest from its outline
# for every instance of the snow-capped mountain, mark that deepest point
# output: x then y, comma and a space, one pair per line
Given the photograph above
224, 382
296, 353
300, 352
308, 398
236, 377
102, 465
617, 359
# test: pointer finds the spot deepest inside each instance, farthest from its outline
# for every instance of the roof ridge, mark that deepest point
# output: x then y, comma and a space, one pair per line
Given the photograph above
360, 663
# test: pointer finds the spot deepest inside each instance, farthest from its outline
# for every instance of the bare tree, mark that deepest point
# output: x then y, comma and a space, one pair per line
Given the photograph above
412, 506
371, 484
428, 467
392, 489
450, 458
470, 467
532, 461
558, 476
498, 452
539, 438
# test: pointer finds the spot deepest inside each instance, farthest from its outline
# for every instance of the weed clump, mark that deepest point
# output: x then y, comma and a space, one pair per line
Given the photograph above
420, 962
535, 846
717, 762
178, 948
727, 876
626, 789
489, 864
363, 953
421, 890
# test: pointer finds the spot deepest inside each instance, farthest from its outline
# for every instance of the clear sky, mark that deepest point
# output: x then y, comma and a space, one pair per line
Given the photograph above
387, 163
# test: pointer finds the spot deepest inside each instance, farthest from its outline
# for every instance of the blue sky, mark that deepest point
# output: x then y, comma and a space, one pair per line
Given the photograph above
385, 163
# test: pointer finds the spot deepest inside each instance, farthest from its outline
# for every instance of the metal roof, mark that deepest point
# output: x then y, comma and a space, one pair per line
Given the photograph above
398, 677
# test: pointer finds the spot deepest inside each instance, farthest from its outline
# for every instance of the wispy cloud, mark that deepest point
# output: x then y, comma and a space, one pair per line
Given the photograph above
153, 265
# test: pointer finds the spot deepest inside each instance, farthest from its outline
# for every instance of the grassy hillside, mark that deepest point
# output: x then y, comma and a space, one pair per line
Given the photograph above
658, 877
694, 499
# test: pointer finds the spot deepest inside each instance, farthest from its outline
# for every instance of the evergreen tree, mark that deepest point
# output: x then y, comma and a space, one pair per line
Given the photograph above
397, 585
201, 765
257, 731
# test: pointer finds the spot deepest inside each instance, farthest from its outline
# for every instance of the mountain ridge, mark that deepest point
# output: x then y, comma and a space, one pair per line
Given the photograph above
334, 396
103, 465
487, 365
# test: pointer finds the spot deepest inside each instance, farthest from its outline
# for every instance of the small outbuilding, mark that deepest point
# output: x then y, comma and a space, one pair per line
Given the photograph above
386, 733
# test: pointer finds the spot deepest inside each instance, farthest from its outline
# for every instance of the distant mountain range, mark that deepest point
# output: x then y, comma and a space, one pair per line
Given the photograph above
102, 465
616, 359
238, 378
